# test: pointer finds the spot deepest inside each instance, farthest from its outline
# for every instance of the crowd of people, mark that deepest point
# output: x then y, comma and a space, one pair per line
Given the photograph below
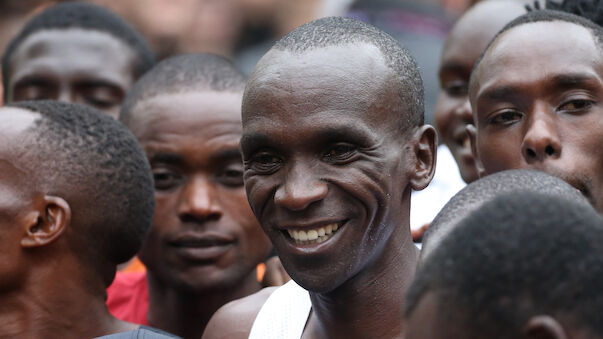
184, 198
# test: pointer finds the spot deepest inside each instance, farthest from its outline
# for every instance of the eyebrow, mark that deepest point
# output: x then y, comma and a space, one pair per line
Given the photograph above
573, 80
500, 93
227, 154
252, 141
166, 158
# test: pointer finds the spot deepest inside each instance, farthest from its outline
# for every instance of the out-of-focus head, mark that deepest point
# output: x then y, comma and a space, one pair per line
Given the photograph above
538, 100
186, 113
75, 52
589, 9
468, 38
475, 195
525, 265
333, 141
72, 181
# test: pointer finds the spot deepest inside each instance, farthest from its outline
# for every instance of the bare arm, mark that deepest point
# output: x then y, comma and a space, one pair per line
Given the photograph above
234, 320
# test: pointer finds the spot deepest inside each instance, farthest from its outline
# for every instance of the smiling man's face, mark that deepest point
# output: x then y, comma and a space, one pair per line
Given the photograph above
325, 160
538, 104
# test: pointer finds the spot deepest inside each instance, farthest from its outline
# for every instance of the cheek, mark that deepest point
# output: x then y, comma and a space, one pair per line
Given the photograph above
499, 151
259, 190
444, 114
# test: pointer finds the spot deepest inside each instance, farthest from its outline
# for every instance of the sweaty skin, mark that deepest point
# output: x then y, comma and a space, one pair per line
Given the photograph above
323, 149
35, 303
72, 65
468, 38
538, 104
204, 243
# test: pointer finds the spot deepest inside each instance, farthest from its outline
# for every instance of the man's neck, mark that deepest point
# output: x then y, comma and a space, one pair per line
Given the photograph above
186, 313
371, 304
57, 303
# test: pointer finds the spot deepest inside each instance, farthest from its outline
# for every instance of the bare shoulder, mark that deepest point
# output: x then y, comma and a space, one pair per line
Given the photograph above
234, 320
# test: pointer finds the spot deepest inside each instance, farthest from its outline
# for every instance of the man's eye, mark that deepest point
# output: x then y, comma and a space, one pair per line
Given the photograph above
264, 163
339, 152
231, 177
456, 89
577, 105
165, 179
506, 118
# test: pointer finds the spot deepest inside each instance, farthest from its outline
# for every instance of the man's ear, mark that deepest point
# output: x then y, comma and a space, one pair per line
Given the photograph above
47, 223
425, 150
472, 132
543, 327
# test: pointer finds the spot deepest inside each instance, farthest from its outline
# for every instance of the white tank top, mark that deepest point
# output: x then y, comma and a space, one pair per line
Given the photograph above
283, 315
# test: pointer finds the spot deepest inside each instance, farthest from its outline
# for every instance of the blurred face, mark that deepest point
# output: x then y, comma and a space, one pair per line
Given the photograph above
325, 162
204, 235
538, 104
72, 65
468, 38
15, 196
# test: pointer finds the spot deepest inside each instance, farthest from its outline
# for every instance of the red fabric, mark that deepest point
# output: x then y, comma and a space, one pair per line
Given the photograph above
128, 297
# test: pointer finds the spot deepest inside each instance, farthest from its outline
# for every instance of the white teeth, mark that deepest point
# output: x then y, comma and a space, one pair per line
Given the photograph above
314, 235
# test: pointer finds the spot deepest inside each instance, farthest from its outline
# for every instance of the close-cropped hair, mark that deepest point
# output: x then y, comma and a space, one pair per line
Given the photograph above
184, 73
589, 9
485, 189
335, 31
544, 16
83, 16
521, 255
92, 161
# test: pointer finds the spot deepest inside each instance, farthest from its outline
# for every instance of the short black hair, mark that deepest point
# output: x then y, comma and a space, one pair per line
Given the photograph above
485, 189
84, 16
589, 9
543, 16
522, 254
94, 163
184, 73
334, 31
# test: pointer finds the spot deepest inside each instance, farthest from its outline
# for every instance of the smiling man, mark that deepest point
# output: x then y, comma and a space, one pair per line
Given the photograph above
537, 100
75, 52
205, 243
333, 142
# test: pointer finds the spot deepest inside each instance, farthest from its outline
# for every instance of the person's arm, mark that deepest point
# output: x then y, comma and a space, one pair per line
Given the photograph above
235, 319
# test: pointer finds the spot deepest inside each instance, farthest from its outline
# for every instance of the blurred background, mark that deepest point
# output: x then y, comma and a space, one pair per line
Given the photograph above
244, 30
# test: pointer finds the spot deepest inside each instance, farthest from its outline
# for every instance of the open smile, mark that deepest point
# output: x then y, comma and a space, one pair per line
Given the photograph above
313, 235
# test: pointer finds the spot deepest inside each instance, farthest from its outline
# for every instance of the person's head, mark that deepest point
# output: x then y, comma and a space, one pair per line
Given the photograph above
526, 265
476, 194
468, 38
333, 142
186, 113
73, 181
537, 100
589, 9
75, 52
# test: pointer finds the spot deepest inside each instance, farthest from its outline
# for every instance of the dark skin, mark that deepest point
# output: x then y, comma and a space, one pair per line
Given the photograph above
35, 227
463, 46
322, 145
204, 243
547, 118
73, 65
431, 319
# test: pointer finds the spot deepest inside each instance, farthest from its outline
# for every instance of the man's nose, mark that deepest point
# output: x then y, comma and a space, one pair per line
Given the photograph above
300, 189
198, 201
541, 140
463, 112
